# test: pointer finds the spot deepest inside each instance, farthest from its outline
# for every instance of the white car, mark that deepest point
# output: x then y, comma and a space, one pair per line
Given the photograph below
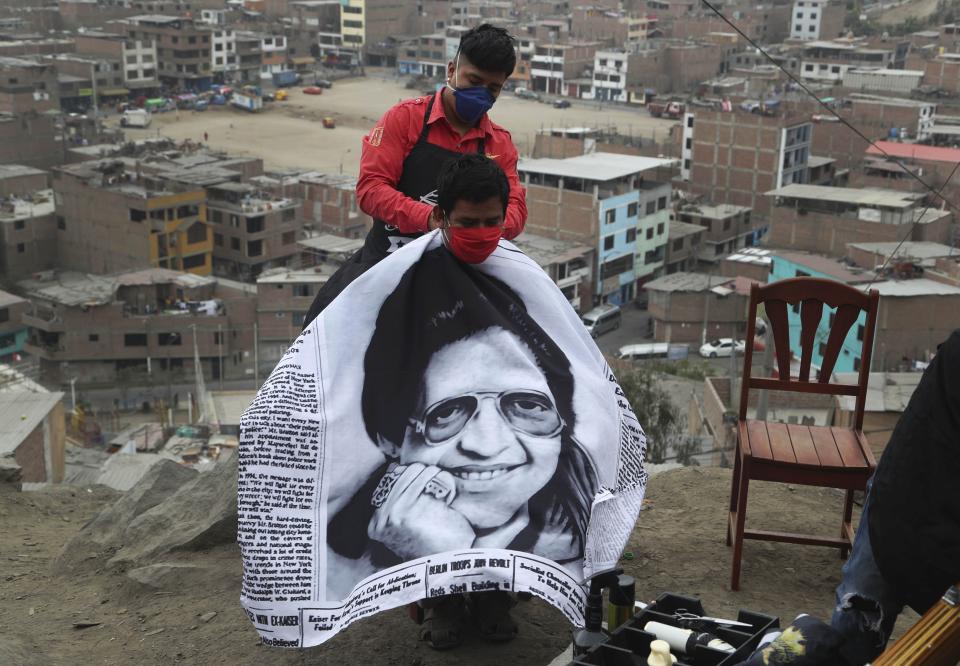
722, 347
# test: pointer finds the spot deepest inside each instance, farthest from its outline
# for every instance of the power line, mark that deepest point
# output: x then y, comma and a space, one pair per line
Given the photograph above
826, 106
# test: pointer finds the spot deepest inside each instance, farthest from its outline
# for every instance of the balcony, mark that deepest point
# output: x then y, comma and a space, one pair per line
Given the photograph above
44, 319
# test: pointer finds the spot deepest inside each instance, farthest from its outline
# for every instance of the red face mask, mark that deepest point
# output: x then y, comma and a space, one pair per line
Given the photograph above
472, 244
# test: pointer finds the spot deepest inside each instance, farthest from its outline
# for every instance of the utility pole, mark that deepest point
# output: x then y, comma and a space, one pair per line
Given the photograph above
256, 356
765, 372
706, 306
73, 394
96, 97
220, 351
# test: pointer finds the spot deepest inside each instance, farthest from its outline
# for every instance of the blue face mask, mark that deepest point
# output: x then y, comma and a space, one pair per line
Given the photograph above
471, 103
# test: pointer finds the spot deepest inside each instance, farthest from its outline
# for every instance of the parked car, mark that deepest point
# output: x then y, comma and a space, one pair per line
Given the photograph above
313, 90
602, 319
722, 347
524, 93
561, 104
323, 83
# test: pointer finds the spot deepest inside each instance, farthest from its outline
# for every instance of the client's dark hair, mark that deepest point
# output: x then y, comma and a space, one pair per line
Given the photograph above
489, 48
471, 177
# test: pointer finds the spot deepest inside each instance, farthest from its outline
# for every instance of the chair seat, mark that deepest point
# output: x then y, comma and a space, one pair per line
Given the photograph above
815, 448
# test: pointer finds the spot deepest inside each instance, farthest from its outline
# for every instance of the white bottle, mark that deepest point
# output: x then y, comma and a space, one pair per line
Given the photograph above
660, 654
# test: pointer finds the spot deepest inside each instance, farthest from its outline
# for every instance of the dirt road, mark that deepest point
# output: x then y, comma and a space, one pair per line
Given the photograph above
290, 135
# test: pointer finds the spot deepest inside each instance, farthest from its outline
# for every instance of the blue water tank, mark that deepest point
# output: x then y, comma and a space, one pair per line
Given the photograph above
894, 132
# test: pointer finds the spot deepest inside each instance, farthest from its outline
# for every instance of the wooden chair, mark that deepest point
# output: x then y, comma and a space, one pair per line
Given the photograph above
799, 454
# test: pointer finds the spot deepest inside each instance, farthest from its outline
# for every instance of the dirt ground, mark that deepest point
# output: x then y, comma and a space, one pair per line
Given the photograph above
290, 135
678, 546
899, 13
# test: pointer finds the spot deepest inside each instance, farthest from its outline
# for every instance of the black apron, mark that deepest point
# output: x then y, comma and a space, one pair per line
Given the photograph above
418, 180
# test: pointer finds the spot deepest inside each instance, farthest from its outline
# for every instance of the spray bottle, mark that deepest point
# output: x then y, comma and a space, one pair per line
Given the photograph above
592, 632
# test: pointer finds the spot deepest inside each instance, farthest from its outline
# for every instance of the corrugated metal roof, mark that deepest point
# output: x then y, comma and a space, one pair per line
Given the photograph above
687, 282
122, 471
22, 412
594, 166
229, 406
915, 287
856, 196
914, 151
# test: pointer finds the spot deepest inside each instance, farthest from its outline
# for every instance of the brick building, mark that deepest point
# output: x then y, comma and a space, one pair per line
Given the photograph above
111, 216
137, 57
737, 156
13, 333
726, 229
283, 298
817, 19
684, 245
673, 67
36, 439
915, 314
252, 230
28, 85
695, 307
554, 67
825, 220
137, 325
183, 49
330, 204
30, 138
28, 234
617, 204
569, 265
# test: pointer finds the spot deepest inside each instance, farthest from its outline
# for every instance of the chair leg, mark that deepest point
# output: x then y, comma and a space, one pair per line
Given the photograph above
734, 489
738, 530
847, 518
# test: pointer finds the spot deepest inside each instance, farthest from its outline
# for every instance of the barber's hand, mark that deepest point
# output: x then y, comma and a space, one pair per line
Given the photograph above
412, 522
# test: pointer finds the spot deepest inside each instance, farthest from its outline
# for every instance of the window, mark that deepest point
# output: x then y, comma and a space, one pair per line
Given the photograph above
686, 164
135, 340
289, 214
218, 240
131, 73
813, 16
254, 248
813, 28
4, 315
194, 261
93, 337
616, 266
137, 215
650, 233
661, 203
610, 216
235, 221
197, 233
860, 330
808, 68
835, 69
688, 144
799, 15
631, 235
235, 244
288, 238
19, 224
218, 337
678, 244
822, 349
21, 248
660, 229
169, 339
298, 318
61, 223
856, 364
726, 224
216, 216
632, 209
608, 243
690, 121
651, 207
302, 290
255, 224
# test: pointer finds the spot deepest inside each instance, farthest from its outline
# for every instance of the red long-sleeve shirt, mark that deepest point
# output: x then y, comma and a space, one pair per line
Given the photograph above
389, 143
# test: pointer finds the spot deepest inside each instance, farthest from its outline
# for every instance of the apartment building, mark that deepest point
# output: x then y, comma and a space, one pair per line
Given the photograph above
895, 81
28, 234
617, 204
32, 138
684, 246
736, 156
136, 325
137, 57
828, 61
554, 68
28, 85
662, 68
249, 55
111, 216
273, 58
915, 314
825, 220
283, 298
426, 56
764, 24
183, 49
726, 229
330, 205
612, 27
816, 20
252, 230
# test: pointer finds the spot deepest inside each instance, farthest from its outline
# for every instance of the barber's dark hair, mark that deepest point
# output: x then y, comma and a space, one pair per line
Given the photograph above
438, 302
471, 177
489, 48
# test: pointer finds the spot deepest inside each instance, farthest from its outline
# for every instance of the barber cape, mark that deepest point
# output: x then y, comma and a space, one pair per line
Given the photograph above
440, 428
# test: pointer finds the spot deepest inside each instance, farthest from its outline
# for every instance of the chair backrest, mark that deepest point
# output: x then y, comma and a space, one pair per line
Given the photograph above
811, 294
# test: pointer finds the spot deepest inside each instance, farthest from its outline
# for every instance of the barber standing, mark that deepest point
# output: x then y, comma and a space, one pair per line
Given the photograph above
404, 153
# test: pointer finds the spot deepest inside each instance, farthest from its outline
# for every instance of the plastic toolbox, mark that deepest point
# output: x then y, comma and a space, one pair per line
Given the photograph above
629, 645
